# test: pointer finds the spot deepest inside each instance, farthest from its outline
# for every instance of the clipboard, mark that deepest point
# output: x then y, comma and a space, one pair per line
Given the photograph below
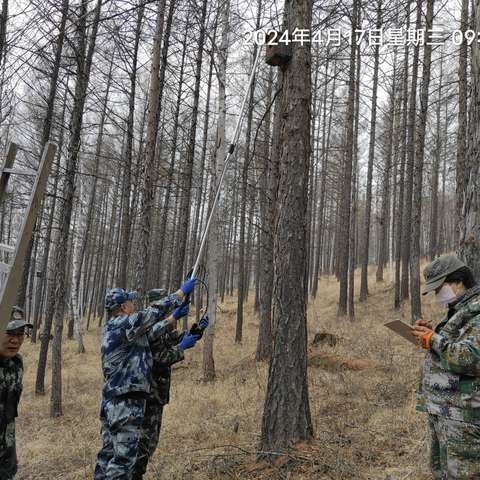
402, 329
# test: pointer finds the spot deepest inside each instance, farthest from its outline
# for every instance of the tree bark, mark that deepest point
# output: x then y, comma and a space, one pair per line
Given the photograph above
185, 200
469, 248
371, 156
418, 169
213, 258
344, 225
286, 416
123, 278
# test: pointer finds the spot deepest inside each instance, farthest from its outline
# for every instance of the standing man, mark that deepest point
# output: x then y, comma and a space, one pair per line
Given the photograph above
11, 376
127, 369
167, 350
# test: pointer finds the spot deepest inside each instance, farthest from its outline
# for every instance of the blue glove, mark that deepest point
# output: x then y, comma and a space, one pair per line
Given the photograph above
203, 323
188, 341
188, 286
181, 311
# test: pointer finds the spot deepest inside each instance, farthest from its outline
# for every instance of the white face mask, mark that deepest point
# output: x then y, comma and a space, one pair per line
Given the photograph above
445, 296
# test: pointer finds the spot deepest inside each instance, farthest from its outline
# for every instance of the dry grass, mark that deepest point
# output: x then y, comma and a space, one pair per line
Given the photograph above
361, 398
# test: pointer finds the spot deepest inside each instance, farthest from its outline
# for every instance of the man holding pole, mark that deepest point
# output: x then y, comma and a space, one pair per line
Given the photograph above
166, 351
127, 369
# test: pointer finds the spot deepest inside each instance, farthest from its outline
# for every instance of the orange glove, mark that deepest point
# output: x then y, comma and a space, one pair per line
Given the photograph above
423, 323
427, 340
424, 334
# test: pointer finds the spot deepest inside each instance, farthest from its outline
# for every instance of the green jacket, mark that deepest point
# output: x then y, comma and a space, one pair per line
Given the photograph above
11, 375
450, 383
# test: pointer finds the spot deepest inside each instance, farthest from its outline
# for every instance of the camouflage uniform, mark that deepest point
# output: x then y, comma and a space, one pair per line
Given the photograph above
11, 375
165, 354
450, 391
127, 368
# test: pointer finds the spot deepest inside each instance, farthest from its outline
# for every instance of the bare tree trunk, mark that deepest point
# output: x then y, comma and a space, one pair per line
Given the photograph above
197, 226
434, 244
324, 173
352, 258
384, 221
185, 200
409, 174
3, 31
371, 156
401, 194
56, 291
214, 259
268, 191
243, 209
47, 125
286, 416
469, 248
462, 153
147, 199
344, 225
126, 211
419, 160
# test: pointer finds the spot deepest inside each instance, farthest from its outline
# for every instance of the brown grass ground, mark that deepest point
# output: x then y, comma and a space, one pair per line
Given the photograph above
361, 397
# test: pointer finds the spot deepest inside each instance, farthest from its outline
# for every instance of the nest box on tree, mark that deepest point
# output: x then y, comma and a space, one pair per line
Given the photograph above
277, 53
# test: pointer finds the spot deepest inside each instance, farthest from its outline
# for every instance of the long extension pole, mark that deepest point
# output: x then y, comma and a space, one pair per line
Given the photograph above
227, 160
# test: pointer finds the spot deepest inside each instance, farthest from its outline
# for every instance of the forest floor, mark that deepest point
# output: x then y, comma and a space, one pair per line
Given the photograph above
362, 402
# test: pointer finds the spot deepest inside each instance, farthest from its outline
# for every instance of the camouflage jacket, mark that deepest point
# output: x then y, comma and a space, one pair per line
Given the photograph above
11, 375
450, 383
166, 353
126, 355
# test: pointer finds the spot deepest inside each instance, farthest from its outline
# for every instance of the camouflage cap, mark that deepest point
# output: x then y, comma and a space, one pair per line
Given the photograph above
117, 297
17, 320
156, 294
436, 272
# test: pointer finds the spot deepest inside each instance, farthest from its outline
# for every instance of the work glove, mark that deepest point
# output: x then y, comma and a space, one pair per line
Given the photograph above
188, 340
198, 328
181, 311
423, 334
424, 323
188, 286
203, 324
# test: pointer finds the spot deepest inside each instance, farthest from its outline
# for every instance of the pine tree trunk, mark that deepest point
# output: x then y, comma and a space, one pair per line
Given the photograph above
84, 63
371, 156
213, 257
286, 415
401, 194
469, 248
418, 169
268, 160
409, 173
384, 221
243, 210
437, 155
148, 175
123, 278
344, 225
185, 200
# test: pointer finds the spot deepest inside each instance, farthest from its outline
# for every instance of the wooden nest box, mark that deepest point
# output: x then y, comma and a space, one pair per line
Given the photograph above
277, 54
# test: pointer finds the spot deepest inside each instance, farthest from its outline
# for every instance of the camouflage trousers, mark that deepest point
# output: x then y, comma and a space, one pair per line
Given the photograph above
152, 423
122, 420
454, 449
8, 454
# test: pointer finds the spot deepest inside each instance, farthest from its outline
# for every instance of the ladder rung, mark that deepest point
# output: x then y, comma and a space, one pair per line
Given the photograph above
7, 248
4, 267
15, 171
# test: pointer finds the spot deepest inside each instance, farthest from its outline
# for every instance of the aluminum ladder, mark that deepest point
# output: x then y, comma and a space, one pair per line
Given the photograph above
12, 272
